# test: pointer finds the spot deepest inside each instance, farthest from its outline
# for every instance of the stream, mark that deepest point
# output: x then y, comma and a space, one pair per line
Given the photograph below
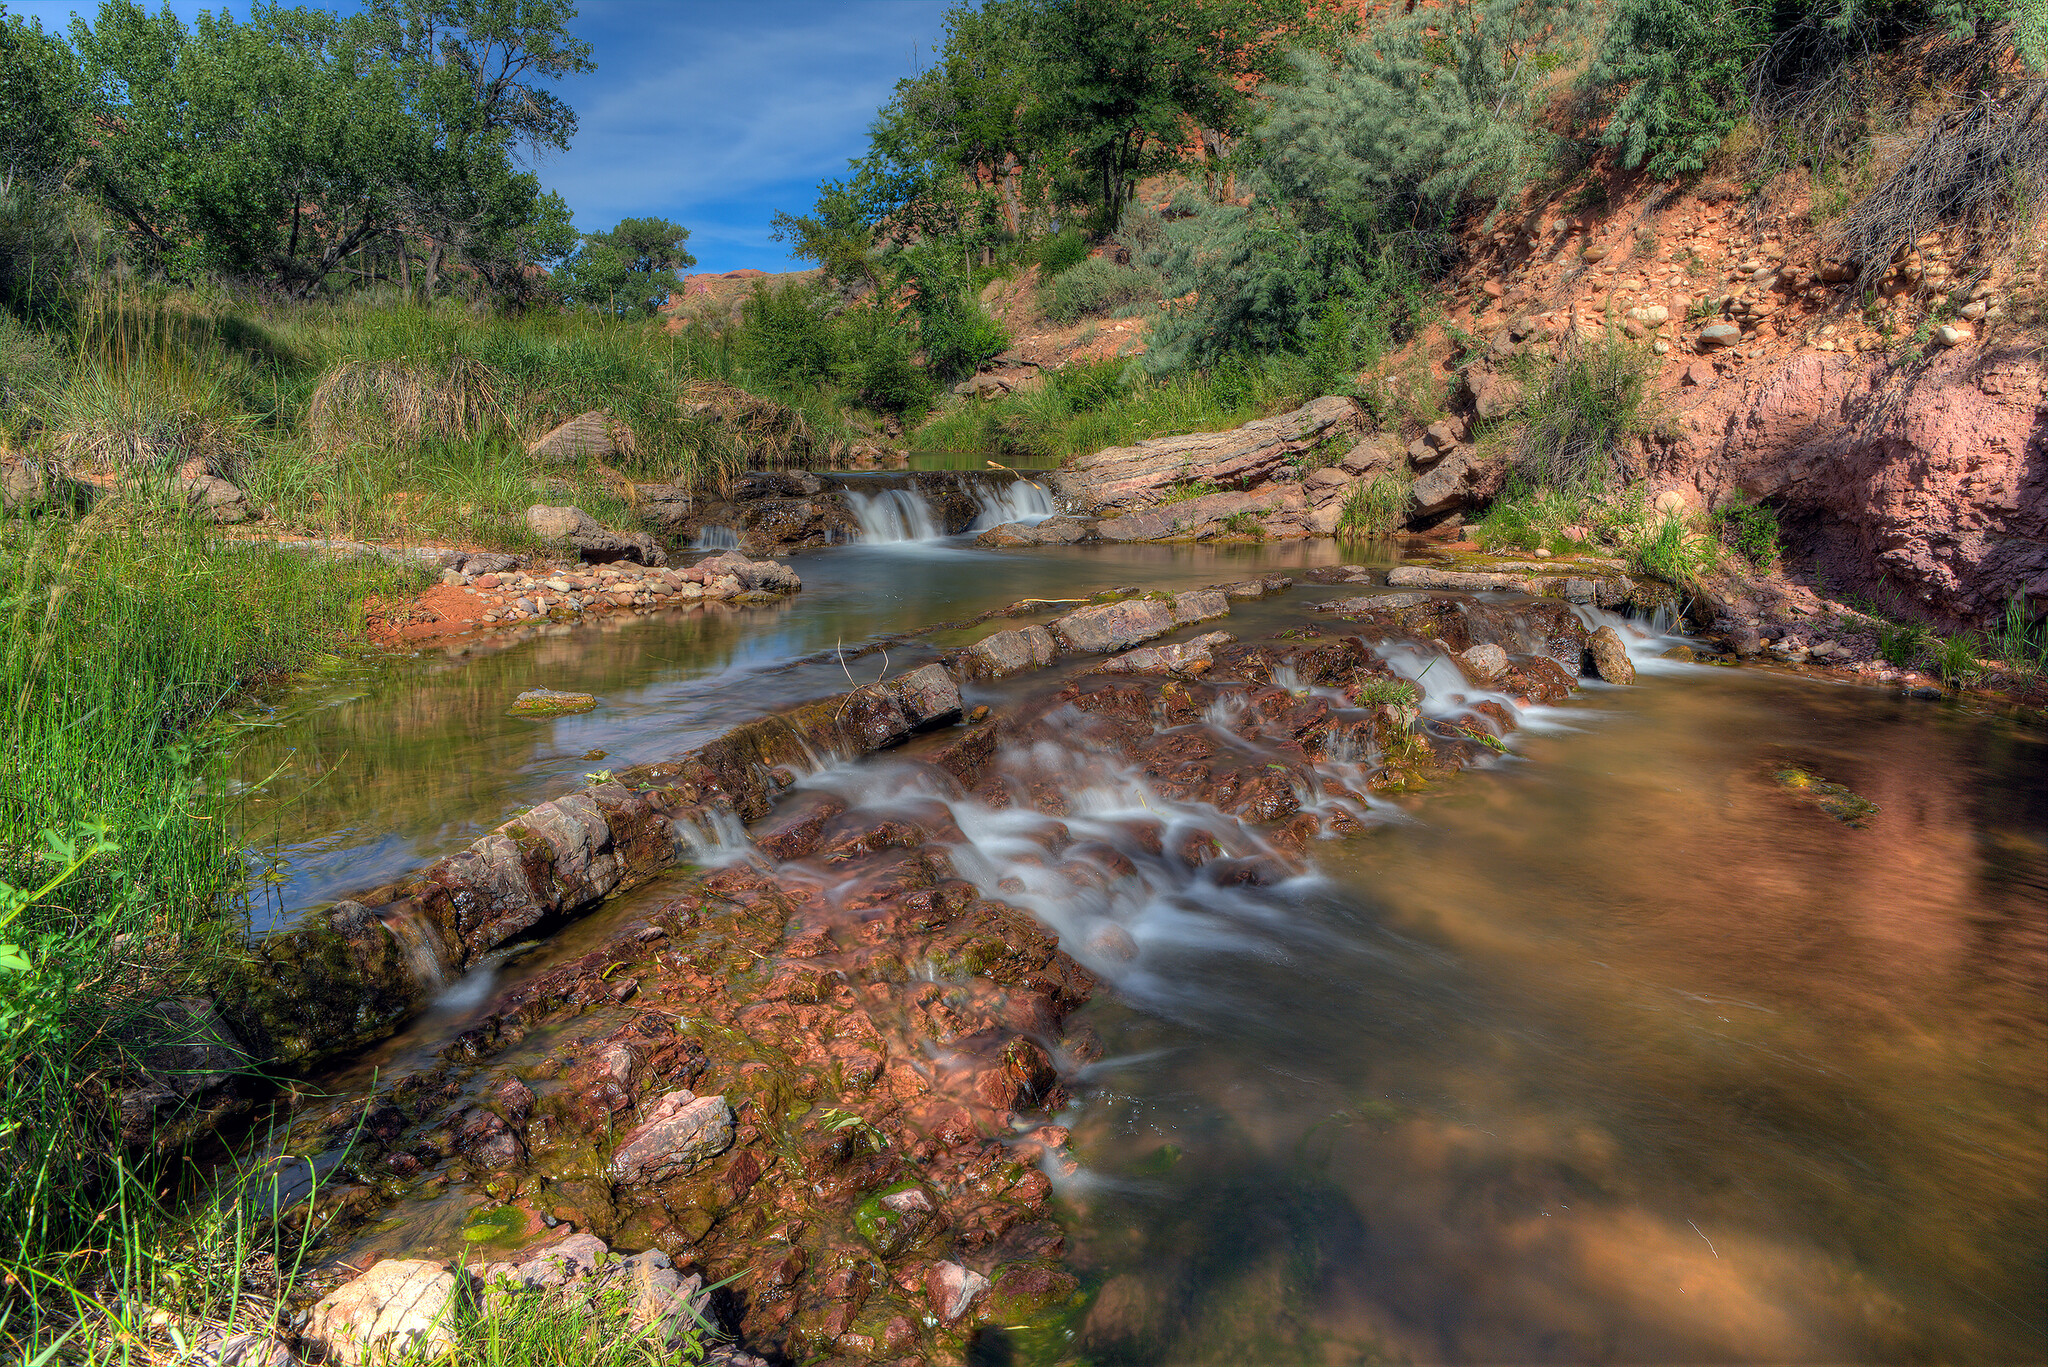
1610, 1050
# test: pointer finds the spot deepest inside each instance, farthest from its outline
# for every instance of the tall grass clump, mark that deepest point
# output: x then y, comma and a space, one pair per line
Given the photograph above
125, 635
1578, 412
1377, 508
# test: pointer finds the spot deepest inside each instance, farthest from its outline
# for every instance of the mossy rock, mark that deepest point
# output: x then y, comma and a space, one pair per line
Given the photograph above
894, 1229
1831, 799
546, 702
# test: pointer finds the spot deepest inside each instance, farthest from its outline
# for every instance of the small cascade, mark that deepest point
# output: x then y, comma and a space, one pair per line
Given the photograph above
1645, 638
893, 515
710, 538
934, 505
1007, 500
427, 955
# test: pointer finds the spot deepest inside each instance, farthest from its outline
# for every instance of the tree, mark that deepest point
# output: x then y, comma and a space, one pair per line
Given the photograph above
269, 149
1427, 116
1129, 86
634, 267
42, 95
470, 72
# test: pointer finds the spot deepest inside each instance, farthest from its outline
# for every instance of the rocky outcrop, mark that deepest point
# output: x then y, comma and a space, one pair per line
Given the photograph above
1125, 479
1922, 485
350, 974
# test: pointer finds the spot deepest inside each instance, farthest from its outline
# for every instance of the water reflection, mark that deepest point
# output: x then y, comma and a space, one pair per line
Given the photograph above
1622, 1055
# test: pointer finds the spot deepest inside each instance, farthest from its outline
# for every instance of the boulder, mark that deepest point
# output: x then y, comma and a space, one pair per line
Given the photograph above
1201, 605
667, 506
1135, 478
400, 1307
214, 499
595, 543
1009, 652
951, 1290
1450, 485
757, 576
1110, 627
1719, 335
1371, 456
587, 436
1008, 534
188, 1053
928, 696
681, 1131
1608, 657
1328, 485
1491, 394
1065, 531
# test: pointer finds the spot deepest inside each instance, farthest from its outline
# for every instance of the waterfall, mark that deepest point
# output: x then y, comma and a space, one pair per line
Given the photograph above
710, 538
893, 515
898, 512
1013, 500
427, 956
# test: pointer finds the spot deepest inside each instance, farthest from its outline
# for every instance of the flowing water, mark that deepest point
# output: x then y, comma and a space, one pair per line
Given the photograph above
1615, 1050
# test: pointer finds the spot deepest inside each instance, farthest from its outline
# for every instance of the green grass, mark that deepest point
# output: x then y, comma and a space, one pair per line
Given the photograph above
397, 420
1085, 408
1580, 409
126, 634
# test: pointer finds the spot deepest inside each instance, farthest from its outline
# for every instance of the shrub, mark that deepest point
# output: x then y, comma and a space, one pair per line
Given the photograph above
787, 334
1674, 72
1751, 530
889, 381
1098, 285
1058, 253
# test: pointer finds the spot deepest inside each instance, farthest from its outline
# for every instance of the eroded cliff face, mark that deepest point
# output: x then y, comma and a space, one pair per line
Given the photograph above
1923, 484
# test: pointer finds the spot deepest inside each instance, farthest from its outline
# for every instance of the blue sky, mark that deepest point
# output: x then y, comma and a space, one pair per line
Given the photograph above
715, 115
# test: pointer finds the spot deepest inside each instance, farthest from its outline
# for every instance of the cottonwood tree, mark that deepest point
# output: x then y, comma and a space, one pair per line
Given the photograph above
632, 268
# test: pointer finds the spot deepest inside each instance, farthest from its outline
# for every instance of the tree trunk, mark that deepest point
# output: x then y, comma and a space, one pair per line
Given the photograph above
434, 259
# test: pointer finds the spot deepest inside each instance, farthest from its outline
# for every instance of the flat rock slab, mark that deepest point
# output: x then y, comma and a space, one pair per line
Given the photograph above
1110, 627
1136, 477
1469, 581
1184, 657
1201, 605
680, 1132
1374, 602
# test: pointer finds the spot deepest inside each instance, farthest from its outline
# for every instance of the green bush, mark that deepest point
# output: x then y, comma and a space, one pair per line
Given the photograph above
887, 378
1058, 253
1098, 285
1673, 71
788, 334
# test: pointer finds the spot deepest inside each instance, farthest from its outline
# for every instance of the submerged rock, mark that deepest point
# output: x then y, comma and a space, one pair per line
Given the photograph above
680, 1132
547, 702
